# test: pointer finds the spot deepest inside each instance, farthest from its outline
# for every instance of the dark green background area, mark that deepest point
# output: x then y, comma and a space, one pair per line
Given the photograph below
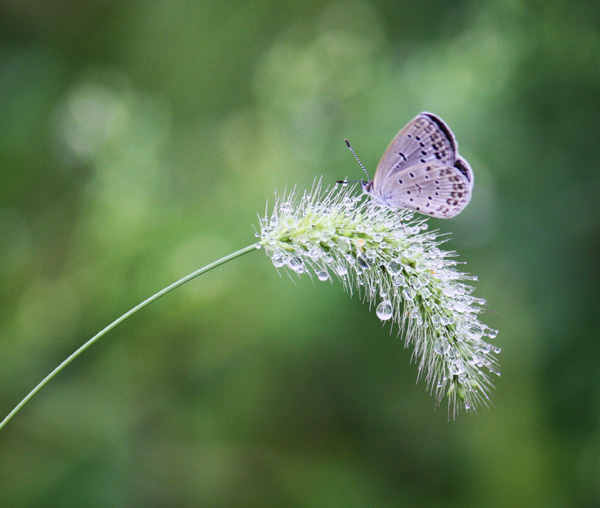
139, 140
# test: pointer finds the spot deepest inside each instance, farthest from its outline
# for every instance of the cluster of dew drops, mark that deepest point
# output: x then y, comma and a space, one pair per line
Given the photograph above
454, 308
455, 317
444, 305
325, 250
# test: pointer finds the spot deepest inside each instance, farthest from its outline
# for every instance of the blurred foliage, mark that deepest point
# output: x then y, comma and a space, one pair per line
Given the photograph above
139, 141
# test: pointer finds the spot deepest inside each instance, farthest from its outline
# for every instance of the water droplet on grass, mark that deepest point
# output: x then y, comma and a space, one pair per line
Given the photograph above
441, 345
322, 275
394, 268
384, 310
408, 293
362, 262
341, 270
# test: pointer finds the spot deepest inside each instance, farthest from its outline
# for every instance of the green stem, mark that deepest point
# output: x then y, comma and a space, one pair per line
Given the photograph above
129, 313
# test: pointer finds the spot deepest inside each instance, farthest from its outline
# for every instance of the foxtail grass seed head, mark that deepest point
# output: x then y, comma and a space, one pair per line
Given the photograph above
391, 260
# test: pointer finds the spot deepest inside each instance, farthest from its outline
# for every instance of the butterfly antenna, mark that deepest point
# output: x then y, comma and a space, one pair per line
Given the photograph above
356, 157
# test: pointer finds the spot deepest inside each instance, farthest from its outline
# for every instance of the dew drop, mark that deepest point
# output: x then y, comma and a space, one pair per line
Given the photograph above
475, 330
384, 310
459, 305
408, 293
295, 263
362, 262
394, 268
343, 244
322, 275
314, 253
447, 320
277, 261
441, 345
341, 270
457, 367
399, 280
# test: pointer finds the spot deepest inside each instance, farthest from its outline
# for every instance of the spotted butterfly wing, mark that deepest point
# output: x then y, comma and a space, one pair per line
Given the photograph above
422, 171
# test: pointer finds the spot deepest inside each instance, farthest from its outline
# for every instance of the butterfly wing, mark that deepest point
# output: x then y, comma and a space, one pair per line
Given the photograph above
422, 171
425, 139
465, 169
432, 189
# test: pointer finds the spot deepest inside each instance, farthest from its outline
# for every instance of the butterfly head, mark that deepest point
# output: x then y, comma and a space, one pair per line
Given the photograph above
378, 197
366, 186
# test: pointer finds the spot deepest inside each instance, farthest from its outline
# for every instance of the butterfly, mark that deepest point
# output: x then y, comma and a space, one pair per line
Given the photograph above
422, 171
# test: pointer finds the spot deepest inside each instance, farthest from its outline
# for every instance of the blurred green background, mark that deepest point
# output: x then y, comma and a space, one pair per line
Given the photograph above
140, 140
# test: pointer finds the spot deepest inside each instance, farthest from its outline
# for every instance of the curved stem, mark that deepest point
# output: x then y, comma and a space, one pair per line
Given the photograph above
129, 313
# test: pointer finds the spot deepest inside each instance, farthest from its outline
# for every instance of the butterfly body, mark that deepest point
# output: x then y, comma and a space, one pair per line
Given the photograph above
422, 171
